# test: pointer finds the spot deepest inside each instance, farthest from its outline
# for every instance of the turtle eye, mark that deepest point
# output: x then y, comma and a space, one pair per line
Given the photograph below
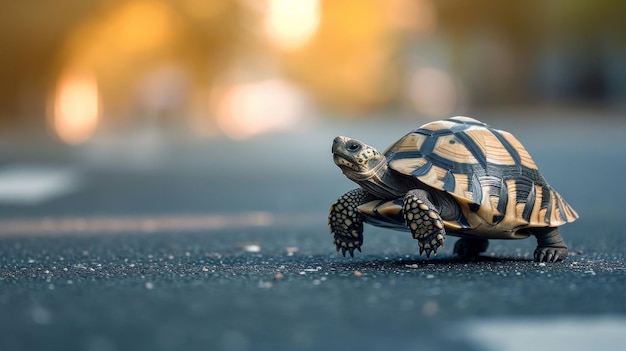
353, 146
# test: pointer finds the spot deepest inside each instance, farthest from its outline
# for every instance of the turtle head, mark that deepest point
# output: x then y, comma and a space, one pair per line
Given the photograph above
353, 156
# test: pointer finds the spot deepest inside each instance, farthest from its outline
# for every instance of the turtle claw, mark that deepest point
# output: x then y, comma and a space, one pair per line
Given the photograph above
342, 245
350, 250
428, 250
550, 254
540, 257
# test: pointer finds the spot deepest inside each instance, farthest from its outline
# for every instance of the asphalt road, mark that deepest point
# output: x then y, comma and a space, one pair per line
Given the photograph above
218, 245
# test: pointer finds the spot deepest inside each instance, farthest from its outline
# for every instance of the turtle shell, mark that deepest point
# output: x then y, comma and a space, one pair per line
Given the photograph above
488, 172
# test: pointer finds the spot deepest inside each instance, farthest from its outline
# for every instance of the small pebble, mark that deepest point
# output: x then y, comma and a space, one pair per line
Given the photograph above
292, 250
358, 274
252, 248
278, 276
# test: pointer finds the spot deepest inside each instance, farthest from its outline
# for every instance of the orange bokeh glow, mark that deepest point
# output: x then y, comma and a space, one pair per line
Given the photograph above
76, 107
247, 109
291, 24
138, 26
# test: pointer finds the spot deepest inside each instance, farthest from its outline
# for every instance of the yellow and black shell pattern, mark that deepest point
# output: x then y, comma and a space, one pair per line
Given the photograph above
488, 172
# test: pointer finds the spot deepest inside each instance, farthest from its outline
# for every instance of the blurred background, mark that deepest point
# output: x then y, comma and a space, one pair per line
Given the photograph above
79, 72
208, 124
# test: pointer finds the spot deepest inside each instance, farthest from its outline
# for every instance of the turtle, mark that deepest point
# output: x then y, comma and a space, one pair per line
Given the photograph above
457, 177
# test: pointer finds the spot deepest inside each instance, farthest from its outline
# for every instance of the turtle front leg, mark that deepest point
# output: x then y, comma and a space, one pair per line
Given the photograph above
550, 245
345, 221
424, 221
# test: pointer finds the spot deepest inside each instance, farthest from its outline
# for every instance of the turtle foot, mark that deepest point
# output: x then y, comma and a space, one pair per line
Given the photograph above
550, 254
424, 222
469, 247
346, 223
344, 245
550, 245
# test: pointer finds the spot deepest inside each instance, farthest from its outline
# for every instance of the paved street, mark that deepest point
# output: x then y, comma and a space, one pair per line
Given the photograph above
219, 245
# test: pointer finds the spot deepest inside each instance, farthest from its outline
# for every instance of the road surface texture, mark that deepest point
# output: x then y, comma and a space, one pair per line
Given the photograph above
220, 245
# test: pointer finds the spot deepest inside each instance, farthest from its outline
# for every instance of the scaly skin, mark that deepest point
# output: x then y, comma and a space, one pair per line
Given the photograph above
345, 221
424, 221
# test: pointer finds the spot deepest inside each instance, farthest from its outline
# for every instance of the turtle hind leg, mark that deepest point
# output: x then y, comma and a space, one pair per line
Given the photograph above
424, 221
345, 221
550, 245
470, 247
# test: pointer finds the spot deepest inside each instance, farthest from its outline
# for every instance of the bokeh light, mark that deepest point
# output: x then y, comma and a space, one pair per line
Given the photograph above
247, 109
76, 107
290, 24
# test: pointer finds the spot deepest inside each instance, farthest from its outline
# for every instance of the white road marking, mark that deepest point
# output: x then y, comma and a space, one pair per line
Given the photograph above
34, 184
136, 224
569, 333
